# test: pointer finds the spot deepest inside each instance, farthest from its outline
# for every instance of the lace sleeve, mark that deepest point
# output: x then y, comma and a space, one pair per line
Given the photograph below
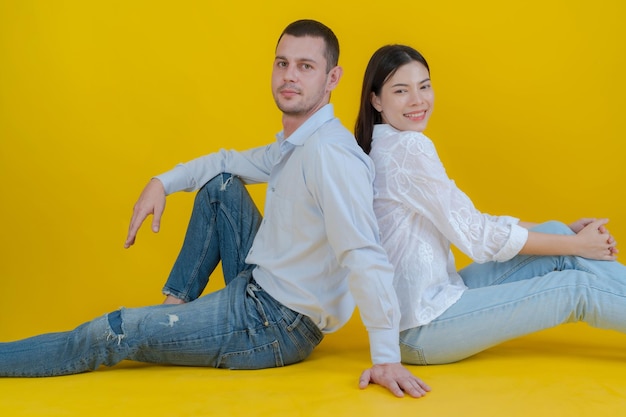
418, 179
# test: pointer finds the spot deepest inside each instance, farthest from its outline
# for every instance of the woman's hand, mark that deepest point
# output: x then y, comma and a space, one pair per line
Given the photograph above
594, 240
579, 225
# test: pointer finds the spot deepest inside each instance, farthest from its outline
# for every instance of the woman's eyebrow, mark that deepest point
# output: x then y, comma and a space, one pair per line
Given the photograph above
406, 84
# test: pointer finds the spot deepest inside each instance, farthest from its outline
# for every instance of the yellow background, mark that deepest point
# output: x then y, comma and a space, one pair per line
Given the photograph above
98, 96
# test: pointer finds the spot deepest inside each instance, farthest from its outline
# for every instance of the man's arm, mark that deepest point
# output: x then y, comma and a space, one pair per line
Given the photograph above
343, 186
252, 165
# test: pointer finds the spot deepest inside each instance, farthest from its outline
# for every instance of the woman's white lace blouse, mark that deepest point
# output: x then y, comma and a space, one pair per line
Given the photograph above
421, 212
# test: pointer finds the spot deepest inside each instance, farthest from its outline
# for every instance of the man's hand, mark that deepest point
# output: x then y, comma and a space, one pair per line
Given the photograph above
396, 378
151, 201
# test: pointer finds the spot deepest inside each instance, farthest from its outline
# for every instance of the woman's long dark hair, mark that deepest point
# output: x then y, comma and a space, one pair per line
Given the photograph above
382, 65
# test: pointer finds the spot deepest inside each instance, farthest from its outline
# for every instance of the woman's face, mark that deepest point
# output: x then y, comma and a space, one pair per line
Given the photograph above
406, 99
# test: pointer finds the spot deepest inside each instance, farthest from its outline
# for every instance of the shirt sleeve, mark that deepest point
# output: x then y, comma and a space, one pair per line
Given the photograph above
417, 177
342, 182
252, 166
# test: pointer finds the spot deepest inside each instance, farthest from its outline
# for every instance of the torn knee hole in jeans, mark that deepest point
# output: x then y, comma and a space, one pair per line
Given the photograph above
225, 183
115, 323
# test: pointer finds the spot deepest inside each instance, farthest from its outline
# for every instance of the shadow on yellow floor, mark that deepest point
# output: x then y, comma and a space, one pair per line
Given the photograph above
572, 370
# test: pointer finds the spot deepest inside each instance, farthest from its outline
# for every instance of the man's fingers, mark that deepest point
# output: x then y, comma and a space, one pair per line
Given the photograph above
364, 381
156, 218
135, 223
130, 238
415, 388
391, 385
398, 386
129, 242
156, 224
394, 387
395, 378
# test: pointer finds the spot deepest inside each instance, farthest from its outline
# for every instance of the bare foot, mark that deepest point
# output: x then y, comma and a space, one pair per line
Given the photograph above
170, 299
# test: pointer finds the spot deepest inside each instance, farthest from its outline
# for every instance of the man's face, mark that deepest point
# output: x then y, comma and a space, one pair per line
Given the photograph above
300, 83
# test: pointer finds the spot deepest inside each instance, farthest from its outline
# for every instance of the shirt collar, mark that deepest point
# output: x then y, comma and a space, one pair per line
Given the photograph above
309, 127
381, 130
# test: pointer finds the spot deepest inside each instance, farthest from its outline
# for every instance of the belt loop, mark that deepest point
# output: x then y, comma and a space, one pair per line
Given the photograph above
251, 289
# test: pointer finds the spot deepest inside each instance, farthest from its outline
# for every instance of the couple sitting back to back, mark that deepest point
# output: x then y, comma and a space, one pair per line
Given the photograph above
298, 272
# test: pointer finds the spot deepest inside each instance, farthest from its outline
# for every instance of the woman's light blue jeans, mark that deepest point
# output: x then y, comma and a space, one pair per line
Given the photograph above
524, 295
238, 327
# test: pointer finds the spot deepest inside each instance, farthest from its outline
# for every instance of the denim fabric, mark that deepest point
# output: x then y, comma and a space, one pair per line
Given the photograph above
514, 298
238, 327
223, 224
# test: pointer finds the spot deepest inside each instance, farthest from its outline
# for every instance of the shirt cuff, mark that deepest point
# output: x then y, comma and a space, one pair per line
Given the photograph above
517, 240
385, 346
507, 220
173, 180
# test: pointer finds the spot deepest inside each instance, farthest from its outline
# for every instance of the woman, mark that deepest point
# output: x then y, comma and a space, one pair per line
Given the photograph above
509, 291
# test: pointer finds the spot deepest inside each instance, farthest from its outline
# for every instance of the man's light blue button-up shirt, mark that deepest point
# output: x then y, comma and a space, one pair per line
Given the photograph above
317, 250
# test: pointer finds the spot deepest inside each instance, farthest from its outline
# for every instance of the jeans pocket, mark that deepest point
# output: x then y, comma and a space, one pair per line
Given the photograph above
412, 355
305, 327
260, 357
301, 332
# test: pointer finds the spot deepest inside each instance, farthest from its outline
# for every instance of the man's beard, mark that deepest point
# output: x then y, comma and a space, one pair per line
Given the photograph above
290, 108
292, 111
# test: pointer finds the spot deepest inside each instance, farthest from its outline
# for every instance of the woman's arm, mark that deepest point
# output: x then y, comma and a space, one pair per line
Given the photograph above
576, 227
527, 225
592, 240
410, 171
418, 179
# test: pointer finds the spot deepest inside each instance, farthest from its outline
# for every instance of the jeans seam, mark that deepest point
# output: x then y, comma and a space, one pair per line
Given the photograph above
184, 293
273, 345
527, 260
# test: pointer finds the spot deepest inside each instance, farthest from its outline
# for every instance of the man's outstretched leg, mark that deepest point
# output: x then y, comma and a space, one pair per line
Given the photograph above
239, 327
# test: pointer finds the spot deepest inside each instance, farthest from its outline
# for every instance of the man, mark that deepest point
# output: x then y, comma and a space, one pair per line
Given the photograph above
290, 277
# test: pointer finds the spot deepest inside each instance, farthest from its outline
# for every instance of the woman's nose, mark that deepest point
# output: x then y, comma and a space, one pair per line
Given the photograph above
416, 97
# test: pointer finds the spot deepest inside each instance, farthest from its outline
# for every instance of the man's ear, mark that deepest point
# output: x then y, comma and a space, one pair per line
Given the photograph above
334, 75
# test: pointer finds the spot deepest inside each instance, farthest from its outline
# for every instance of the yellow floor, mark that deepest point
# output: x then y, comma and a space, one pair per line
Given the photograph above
572, 370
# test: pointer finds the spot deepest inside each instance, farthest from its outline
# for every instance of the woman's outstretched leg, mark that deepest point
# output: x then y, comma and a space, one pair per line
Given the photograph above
484, 317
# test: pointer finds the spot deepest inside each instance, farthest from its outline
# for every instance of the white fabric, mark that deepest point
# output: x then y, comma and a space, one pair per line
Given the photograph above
420, 213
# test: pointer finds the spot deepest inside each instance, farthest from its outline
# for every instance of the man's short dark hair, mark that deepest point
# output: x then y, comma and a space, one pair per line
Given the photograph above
315, 29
